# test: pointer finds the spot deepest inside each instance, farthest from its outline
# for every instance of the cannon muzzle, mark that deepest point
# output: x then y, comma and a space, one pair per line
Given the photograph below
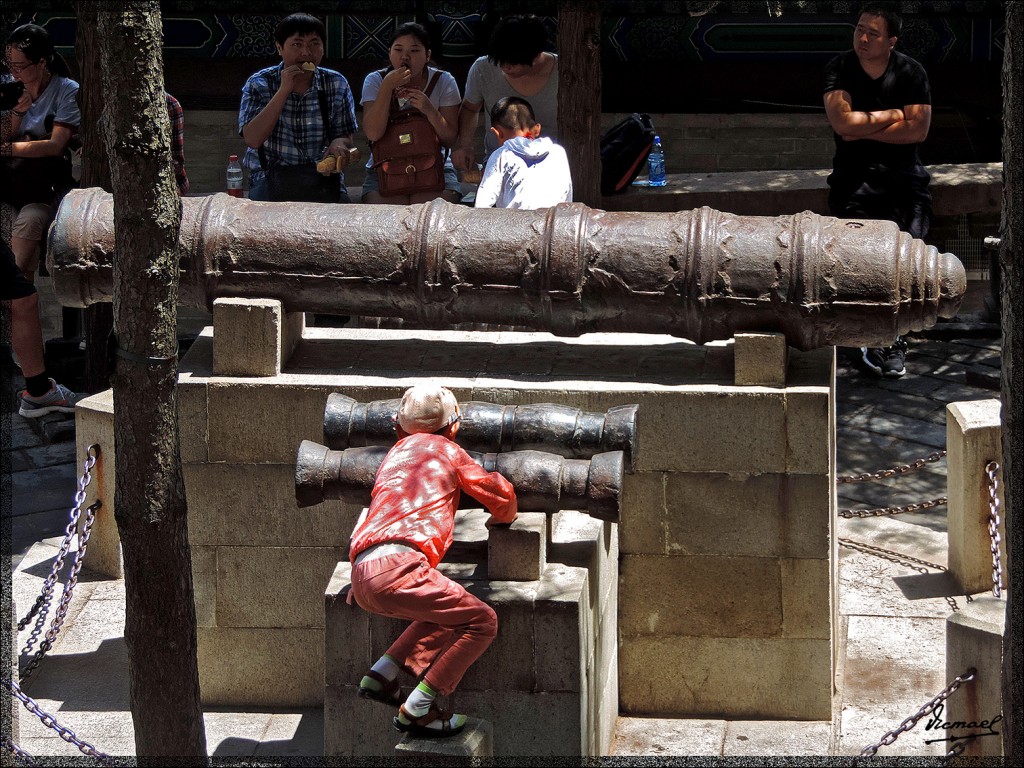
702, 275
493, 428
544, 482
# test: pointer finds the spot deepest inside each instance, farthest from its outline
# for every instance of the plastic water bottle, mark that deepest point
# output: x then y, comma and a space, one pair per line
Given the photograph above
234, 177
656, 164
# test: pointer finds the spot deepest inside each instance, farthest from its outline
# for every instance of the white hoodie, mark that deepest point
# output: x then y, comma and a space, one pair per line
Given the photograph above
525, 173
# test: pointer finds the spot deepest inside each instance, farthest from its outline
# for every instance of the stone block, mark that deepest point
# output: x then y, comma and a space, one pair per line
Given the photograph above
275, 667
760, 359
809, 447
94, 425
700, 596
508, 664
528, 724
748, 428
346, 632
259, 499
255, 423
741, 678
204, 584
643, 525
563, 645
807, 597
702, 506
273, 586
973, 439
476, 740
808, 511
516, 552
974, 639
768, 515
248, 337
193, 429
355, 727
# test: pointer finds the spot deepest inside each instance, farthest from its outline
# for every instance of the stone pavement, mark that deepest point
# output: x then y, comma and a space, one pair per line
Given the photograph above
894, 594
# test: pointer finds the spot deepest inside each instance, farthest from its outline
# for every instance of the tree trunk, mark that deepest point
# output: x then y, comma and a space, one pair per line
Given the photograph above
149, 495
579, 96
99, 318
1012, 235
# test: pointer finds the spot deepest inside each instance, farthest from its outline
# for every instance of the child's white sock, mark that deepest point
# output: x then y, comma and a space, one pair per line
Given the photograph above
419, 701
386, 668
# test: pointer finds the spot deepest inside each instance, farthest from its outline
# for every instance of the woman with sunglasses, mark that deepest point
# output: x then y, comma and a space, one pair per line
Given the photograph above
36, 134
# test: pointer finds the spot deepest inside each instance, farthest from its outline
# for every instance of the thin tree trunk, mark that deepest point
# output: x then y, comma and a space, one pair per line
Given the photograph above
579, 96
149, 496
1010, 255
99, 318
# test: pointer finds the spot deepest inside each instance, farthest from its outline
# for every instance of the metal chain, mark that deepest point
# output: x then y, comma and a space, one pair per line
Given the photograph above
17, 751
905, 560
914, 507
902, 469
91, 453
993, 527
51, 722
65, 598
911, 721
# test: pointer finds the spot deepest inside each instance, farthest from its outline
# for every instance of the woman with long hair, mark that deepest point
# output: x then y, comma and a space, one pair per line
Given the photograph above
411, 83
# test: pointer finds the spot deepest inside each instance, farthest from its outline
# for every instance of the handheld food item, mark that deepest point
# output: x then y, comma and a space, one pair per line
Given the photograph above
309, 66
334, 163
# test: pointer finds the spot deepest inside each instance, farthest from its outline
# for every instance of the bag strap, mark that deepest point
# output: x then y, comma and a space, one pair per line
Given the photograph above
325, 116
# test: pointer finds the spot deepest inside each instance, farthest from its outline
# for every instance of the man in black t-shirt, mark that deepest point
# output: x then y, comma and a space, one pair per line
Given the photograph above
878, 103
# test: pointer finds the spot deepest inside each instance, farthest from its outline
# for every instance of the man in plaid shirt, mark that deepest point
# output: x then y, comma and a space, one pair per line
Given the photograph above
177, 142
283, 110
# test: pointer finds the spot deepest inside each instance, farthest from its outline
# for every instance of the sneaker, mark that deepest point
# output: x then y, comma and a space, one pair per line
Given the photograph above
886, 361
58, 399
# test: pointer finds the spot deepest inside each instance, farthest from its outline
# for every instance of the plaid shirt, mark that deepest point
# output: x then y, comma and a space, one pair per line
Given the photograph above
299, 136
177, 142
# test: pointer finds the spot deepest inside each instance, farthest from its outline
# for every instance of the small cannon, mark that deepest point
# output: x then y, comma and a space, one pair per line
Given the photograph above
544, 482
703, 275
492, 428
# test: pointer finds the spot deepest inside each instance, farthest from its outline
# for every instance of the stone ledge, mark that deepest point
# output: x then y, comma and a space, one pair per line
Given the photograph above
956, 189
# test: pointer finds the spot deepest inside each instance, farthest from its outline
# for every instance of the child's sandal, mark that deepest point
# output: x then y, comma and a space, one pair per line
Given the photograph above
390, 691
419, 726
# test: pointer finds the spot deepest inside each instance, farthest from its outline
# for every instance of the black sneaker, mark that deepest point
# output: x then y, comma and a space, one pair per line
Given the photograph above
886, 361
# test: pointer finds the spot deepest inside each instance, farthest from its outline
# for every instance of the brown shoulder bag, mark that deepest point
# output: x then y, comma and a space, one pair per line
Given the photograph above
408, 157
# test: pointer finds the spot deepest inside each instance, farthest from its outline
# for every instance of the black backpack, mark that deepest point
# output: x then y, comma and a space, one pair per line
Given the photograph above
624, 148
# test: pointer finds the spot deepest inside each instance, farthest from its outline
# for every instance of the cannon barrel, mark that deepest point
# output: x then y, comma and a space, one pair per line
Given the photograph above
701, 274
492, 428
544, 482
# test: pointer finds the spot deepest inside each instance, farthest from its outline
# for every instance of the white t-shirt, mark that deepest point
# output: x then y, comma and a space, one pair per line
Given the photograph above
445, 93
525, 173
486, 84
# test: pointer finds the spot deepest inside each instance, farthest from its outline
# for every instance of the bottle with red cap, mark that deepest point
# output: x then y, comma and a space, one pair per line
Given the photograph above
234, 177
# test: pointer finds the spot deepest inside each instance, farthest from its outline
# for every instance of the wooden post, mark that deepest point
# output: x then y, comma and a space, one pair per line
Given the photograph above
579, 96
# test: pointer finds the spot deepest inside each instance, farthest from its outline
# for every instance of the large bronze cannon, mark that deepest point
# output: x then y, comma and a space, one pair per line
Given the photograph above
544, 482
701, 274
492, 428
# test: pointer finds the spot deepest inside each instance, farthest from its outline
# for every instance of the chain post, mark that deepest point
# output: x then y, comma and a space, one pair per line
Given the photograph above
992, 469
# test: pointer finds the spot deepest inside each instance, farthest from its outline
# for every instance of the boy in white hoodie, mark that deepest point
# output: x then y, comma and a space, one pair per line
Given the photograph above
527, 171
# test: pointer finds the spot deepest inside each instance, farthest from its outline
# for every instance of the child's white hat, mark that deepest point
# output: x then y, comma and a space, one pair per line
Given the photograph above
427, 408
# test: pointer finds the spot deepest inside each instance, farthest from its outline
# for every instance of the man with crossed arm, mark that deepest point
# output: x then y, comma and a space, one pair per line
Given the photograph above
878, 102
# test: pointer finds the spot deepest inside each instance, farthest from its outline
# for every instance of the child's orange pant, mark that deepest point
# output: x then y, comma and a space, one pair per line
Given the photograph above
450, 628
